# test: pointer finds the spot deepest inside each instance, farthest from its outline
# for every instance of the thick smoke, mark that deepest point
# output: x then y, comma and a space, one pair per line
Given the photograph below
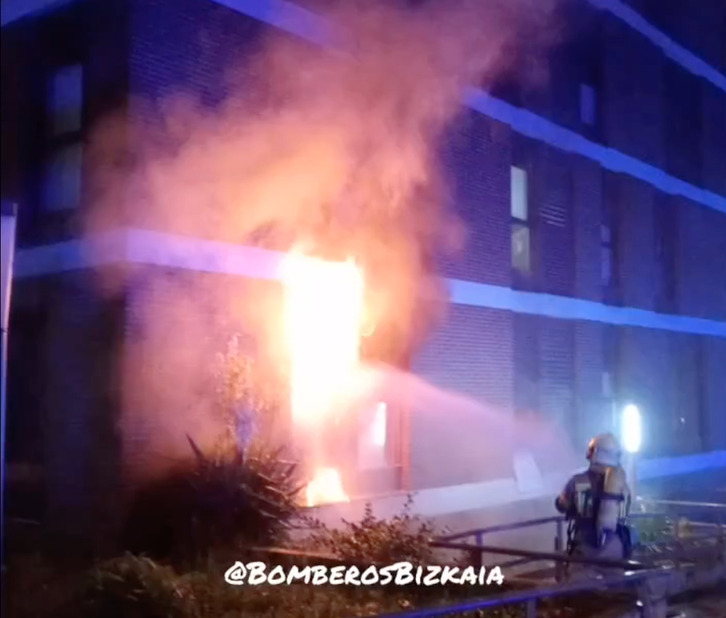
334, 152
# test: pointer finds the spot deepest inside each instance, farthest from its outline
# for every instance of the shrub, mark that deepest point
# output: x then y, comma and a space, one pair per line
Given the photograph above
247, 399
132, 587
242, 493
402, 538
219, 502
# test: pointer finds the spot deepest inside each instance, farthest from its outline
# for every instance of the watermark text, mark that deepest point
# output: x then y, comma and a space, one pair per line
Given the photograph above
398, 574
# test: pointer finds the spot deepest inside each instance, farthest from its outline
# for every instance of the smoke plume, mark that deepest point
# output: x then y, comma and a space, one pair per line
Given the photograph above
331, 151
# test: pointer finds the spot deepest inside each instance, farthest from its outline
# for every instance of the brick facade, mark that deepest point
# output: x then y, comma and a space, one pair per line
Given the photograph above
503, 360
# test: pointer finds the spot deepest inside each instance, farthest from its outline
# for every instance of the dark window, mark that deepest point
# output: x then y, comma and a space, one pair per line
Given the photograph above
64, 150
665, 253
588, 104
701, 407
609, 271
683, 123
588, 52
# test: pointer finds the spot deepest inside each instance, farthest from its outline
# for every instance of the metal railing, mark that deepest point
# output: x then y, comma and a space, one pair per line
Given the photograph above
670, 509
530, 598
637, 572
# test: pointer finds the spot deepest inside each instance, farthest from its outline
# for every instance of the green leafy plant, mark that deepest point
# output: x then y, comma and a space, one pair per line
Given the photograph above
132, 587
243, 492
247, 399
219, 502
402, 538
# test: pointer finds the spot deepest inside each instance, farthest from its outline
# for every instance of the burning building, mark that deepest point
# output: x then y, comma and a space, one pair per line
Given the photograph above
589, 276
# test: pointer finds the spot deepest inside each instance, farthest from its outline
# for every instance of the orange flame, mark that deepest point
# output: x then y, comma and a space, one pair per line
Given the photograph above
326, 487
323, 318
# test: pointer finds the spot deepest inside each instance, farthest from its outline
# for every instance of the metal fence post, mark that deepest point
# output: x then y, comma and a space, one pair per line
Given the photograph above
558, 549
477, 559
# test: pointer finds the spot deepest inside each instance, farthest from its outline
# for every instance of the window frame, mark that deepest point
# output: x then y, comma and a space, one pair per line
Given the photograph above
522, 279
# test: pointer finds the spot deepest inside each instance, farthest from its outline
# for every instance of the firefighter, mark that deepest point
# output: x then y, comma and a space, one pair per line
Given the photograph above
597, 502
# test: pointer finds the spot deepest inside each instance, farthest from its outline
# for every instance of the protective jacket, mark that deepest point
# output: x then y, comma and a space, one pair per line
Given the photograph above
597, 503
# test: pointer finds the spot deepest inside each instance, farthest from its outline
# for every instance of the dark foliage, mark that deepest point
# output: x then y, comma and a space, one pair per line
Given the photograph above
131, 587
402, 538
221, 502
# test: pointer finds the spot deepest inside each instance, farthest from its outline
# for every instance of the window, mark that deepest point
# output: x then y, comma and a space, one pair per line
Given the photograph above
521, 233
609, 271
588, 104
665, 253
65, 98
683, 123
64, 150
606, 255
373, 438
63, 178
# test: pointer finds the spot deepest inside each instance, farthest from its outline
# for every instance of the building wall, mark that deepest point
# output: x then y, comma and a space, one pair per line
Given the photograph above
176, 323
477, 157
714, 393
587, 197
633, 93
701, 31
713, 138
638, 90
63, 398
702, 269
32, 50
470, 359
505, 361
213, 38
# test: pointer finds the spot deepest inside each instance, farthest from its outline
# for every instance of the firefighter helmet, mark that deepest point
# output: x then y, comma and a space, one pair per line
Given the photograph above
604, 450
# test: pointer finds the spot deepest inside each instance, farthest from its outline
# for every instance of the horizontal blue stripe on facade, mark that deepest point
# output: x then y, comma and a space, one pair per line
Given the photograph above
155, 248
543, 130
301, 22
687, 464
670, 48
305, 24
